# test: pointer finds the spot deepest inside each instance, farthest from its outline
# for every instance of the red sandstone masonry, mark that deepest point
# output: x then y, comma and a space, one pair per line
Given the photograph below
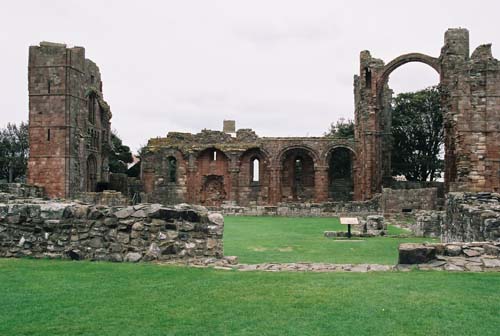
59, 129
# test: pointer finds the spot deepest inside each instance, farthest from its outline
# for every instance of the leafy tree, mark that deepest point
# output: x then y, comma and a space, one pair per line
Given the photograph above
341, 129
418, 134
119, 155
14, 151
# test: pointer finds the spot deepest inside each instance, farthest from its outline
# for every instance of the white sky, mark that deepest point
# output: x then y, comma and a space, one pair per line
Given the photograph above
283, 68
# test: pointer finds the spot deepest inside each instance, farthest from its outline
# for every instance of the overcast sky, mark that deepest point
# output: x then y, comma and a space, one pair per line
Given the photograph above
283, 68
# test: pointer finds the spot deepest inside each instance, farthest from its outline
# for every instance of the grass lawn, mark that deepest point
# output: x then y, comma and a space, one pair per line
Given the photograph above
280, 239
43, 297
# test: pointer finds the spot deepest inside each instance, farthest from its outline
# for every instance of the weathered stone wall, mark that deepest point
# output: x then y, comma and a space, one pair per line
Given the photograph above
472, 217
106, 197
213, 167
13, 190
69, 122
419, 185
427, 223
327, 209
398, 200
38, 228
130, 187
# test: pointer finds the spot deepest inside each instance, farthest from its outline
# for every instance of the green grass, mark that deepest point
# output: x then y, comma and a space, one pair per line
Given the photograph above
42, 297
281, 239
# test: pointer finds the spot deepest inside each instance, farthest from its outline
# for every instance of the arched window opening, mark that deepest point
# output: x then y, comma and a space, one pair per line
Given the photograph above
255, 170
298, 172
214, 157
172, 170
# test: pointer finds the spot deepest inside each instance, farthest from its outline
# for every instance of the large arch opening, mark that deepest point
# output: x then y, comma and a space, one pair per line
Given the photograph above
297, 175
393, 128
341, 174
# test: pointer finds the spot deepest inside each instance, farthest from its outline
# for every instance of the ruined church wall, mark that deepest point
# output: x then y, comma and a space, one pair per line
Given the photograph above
399, 200
208, 182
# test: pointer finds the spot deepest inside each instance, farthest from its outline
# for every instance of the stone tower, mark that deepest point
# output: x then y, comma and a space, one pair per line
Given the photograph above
69, 121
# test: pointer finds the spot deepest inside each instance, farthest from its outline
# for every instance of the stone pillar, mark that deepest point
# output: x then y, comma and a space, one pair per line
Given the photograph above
192, 179
321, 184
234, 196
275, 185
233, 174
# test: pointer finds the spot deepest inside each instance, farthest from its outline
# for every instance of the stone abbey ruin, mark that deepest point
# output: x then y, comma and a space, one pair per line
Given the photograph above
237, 172
70, 123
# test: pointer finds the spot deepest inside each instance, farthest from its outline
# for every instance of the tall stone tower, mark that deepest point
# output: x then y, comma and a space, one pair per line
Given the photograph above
69, 121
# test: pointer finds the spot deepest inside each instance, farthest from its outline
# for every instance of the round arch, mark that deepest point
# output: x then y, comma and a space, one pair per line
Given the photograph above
401, 60
204, 150
330, 150
255, 151
310, 151
383, 117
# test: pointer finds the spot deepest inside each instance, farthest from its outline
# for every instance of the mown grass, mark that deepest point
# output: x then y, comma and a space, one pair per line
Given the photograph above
282, 239
43, 297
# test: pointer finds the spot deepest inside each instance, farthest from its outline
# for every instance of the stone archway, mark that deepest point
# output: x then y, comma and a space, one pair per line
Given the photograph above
384, 109
385, 72
298, 175
341, 173
373, 119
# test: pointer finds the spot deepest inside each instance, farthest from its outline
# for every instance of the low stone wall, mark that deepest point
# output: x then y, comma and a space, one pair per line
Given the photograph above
399, 200
38, 228
419, 185
471, 217
106, 197
476, 256
13, 190
327, 209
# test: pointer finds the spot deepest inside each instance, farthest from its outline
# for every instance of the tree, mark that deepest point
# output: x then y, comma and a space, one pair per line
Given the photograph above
418, 134
341, 129
14, 150
119, 155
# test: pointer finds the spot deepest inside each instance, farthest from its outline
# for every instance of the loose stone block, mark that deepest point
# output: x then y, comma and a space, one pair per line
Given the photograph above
416, 253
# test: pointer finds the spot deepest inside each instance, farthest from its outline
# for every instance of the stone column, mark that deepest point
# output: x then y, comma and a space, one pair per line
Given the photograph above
234, 196
191, 185
233, 174
275, 185
321, 184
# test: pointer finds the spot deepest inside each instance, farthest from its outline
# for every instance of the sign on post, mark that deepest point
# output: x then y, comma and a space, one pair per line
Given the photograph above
349, 221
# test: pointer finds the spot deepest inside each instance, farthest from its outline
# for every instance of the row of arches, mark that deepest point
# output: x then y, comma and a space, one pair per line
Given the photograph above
255, 178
